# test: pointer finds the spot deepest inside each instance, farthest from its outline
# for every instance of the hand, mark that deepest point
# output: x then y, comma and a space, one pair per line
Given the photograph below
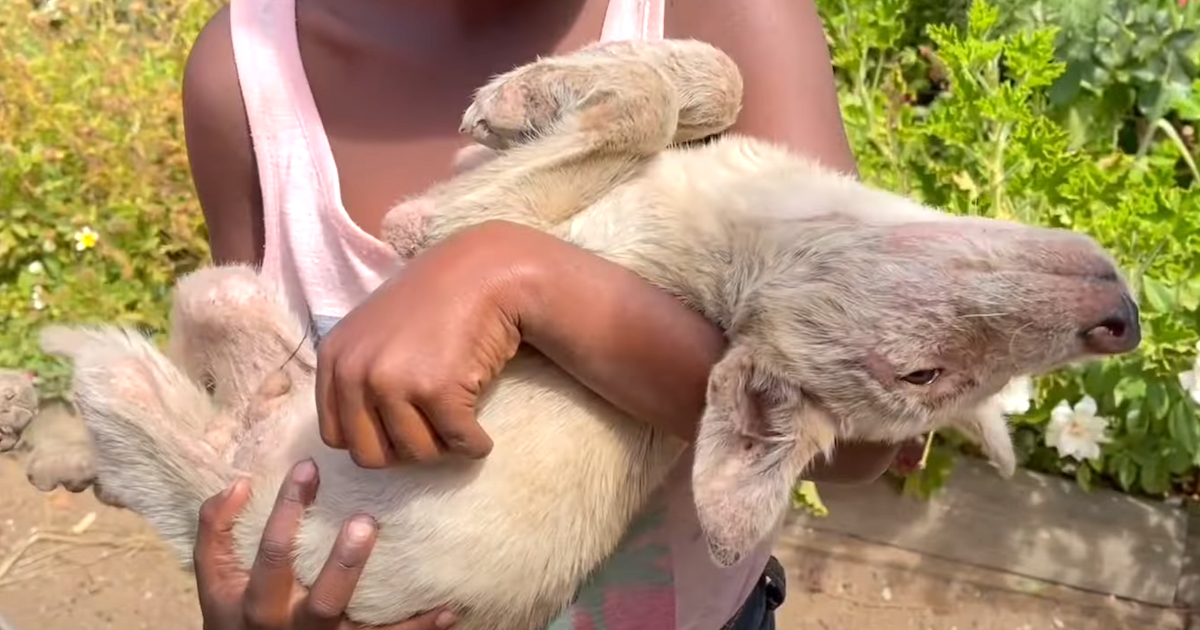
398, 377
269, 597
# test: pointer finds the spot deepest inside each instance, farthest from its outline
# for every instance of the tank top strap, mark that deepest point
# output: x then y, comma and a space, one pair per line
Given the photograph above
320, 258
634, 19
266, 54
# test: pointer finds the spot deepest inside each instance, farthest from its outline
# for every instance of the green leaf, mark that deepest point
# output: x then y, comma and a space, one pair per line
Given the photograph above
1187, 104
1158, 295
1083, 476
1101, 379
1184, 427
1177, 461
930, 480
1129, 389
1136, 423
1156, 404
1154, 478
1189, 294
1127, 471
982, 19
806, 497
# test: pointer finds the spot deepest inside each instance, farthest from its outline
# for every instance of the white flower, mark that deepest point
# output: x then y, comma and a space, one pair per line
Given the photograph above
38, 302
1075, 430
86, 239
36, 267
1016, 397
1190, 380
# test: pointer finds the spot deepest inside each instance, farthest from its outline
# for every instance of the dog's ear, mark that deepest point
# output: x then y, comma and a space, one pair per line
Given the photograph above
757, 435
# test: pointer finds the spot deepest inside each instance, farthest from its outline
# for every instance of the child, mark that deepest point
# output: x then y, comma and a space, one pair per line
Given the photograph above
348, 105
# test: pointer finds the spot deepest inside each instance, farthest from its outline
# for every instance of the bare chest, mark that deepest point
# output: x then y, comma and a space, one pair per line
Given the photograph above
392, 120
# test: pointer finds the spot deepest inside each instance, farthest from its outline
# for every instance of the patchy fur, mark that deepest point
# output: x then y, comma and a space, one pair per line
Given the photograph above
852, 314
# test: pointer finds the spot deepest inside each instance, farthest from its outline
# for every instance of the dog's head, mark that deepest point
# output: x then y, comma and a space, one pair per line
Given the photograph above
884, 332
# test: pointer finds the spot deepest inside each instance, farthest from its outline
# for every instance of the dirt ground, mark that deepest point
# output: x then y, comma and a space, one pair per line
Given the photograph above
91, 567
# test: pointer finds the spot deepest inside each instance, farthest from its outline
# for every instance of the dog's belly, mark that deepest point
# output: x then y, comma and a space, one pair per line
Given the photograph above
510, 537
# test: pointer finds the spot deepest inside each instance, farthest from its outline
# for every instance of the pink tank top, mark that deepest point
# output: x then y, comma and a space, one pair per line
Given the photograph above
661, 576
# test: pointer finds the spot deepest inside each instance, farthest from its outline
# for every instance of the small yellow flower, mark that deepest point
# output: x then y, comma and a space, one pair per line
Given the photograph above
85, 239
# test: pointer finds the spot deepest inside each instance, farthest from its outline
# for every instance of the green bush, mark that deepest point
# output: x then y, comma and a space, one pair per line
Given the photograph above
997, 138
91, 145
1130, 66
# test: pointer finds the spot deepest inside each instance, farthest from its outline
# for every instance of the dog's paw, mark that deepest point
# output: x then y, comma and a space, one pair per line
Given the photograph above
69, 464
18, 405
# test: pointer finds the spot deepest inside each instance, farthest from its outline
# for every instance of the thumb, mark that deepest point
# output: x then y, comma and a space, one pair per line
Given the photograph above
213, 554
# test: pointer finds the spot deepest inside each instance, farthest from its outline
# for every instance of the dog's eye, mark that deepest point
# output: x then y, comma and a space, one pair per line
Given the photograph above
921, 377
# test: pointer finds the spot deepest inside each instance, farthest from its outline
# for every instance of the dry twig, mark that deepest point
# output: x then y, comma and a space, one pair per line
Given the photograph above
19, 565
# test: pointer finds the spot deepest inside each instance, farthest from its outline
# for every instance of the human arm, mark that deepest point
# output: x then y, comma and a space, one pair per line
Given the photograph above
381, 387
267, 597
386, 393
789, 97
638, 348
219, 149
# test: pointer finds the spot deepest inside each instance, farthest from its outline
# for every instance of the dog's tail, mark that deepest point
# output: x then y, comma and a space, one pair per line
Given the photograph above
147, 421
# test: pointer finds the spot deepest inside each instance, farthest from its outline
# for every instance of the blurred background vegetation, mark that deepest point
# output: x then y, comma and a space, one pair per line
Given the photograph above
1071, 113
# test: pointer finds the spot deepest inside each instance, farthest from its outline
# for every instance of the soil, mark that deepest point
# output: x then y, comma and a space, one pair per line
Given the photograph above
112, 573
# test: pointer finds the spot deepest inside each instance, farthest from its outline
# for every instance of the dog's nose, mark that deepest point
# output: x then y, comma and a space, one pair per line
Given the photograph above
1118, 333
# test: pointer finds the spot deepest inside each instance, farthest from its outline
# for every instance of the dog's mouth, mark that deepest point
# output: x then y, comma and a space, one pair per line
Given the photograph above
8, 440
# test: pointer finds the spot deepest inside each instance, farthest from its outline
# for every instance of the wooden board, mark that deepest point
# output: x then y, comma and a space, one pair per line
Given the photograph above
1032, 525
938, 593
1187, 595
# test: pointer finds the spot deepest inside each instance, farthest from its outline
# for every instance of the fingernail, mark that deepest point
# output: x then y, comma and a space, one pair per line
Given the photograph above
445, 619
305, 471
231, 488
360, 528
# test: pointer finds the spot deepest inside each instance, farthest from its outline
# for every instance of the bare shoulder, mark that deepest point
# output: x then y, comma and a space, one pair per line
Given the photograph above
780, 47
210, 61
219, 147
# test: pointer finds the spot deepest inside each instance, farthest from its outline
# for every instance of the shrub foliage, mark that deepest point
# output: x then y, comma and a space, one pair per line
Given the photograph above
98, 209
1027, 114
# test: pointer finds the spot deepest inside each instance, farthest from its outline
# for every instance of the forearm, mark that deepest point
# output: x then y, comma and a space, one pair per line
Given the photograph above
633, 344
637, 346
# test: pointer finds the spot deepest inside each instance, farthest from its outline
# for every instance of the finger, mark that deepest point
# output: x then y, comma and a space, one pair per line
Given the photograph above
458, 427
327, 400
331, 591
212, 553
268, 595
362, 429
412, 437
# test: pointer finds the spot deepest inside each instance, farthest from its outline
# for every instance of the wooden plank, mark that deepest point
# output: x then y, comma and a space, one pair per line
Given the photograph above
1032, 525
948, 590
1187, 594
